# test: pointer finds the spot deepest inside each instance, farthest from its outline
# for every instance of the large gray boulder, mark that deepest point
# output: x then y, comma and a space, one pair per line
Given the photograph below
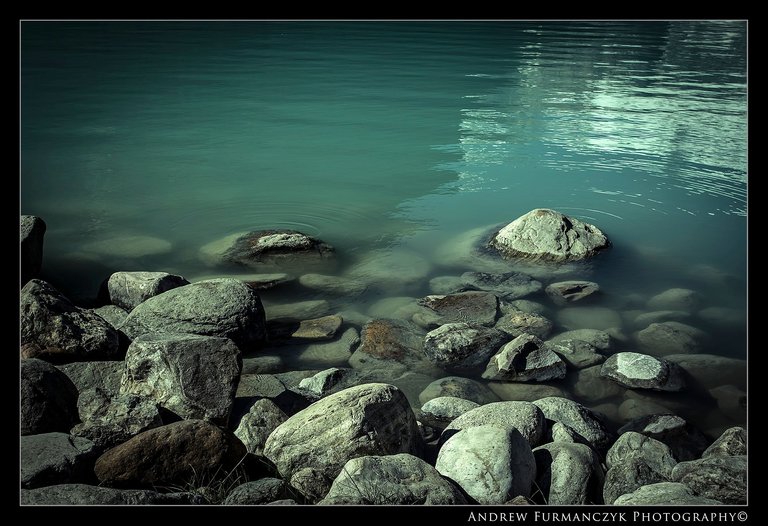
475, 307
224, 307
628, 476
54, 329
128, 289
193, 376
462, 346
491, 464
311, 448
568, 473
110, 421
48, 399
441, 411
390, 344
523, 416
256, 426
266, 247
85, 494
55, 458
104, 375
31, 234
722, 478
600, 340
578, 418
663, 494
547, 235
506, 285
391, 479
641, 371
459, 387
670, 337
684, 440
171, 454
732, 442
525, 359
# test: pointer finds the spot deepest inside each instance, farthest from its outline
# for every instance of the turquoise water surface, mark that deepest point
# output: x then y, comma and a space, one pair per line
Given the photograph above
142, 142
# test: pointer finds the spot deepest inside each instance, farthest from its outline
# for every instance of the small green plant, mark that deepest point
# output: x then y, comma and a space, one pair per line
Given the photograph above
213, 487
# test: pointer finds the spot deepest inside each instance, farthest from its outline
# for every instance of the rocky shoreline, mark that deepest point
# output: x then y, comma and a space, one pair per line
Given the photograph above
502, 386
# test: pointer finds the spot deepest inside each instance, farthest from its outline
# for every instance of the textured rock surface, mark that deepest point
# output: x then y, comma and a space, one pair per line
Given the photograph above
576, 354
54, 458
128, 289
578, 418
254, 428
523, 416
84, 494
628, 476
386, 343
600, 340
301, 310
459, 387
732, 442
684, 440
635, 445
311, 448
515, 322
48, 399
112, 314
89, 375
31, 234
322, 354
253, 249
193, 376
324, 382
297, 332
392, 479
462, 346
222, 307
564, 292
493, 465
525, 359
170, 454
722, 478
670, 337
676, 299
54, 329
475, 307
711, 370
334, 285
568, 474
663, 494
260, 491
641, 371
443, 410
113, 420
544, 234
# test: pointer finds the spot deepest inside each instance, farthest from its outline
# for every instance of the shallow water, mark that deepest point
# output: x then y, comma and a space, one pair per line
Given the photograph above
392, 137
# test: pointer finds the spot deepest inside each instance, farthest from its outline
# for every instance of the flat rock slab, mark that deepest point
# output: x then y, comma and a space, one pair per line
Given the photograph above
334, 285
55, 458
304, 331
476, 307
670, 337
641, 371
547, 235
578, 418
515, 322
564, 292
462, 346
676, 299
576, 354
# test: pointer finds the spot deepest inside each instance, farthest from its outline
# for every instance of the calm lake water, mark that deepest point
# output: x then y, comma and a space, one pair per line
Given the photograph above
142, 142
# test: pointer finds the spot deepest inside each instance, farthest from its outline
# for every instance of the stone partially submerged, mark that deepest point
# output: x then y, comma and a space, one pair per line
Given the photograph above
547, 235
641, 371
525, 359
252, 249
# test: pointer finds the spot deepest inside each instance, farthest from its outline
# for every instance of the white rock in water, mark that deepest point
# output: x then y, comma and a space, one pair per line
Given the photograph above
548, 235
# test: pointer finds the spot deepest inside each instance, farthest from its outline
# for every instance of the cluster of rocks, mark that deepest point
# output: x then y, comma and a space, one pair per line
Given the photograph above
185, 393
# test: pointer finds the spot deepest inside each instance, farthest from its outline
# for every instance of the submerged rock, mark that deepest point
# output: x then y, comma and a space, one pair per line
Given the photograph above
462, 346
588, 384
475, 307
676, 299
223, 307
128, 246
391, 344
564, 292
31, 234
458, 387
515, 323
335, 285
252, 249
493, 465
576, 353
514, 392
392, 479
301, 310
311, 448
684, 440
711, 370
600, 318
525, 359
640, 371
670, 337
54, 329
507, 285
390, 269
600, 340
297, 332
128, 289
547, 235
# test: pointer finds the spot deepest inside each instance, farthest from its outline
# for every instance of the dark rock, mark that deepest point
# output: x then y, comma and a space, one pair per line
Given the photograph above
254, 428
676, 299
600, 340
219, 307
55, 458
193, 376
628, 476
491, 464
90, 375
711, 370
576, 354
731, 400
128, 289
462, 346
84, 494
635, 445
525, 359
54, 329
514, 392
267, 247
547, 235
296, 312
474, 307
115, 420
31, 234
507, 285
48, 399
311, 448
323, 382
684, 440
171, 454
458, 387
112, 314
578, 418
304, 331
523, 416
589, 385
564, 292
663, 494
334, 285
394, 344
722, 478
392, 479
732, 442
260, 491
517, 322
568, 474
641, 371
